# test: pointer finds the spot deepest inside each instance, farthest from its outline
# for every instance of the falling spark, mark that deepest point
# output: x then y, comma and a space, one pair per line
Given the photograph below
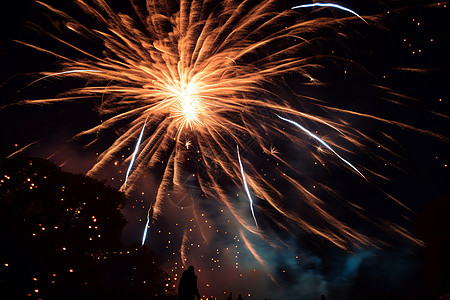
246, 187
323, 143
134, 153
144, 236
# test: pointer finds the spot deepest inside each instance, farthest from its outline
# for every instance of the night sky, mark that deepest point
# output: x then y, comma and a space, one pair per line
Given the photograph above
407, 53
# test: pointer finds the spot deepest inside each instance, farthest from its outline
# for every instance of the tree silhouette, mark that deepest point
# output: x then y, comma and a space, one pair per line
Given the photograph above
60, 236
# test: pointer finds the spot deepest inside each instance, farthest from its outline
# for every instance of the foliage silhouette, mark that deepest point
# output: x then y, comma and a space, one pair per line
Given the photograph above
60, 237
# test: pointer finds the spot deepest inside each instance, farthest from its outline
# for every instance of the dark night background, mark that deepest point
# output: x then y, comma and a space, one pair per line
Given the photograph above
112, 266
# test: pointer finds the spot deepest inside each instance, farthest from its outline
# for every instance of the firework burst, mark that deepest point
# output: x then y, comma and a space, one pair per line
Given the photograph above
192, 82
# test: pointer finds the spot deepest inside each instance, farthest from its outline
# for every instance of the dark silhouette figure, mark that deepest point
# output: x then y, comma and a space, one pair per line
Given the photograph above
239, 297
322, 297
230, 297
187, 288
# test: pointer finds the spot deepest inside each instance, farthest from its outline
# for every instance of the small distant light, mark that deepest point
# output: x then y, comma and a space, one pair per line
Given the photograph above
36, 291
71, 270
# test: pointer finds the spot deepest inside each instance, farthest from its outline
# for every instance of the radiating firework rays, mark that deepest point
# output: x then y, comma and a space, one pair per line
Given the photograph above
192, 79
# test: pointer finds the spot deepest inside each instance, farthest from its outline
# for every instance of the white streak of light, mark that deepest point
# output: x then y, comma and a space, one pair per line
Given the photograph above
329, 5
135, 152
322, 142
246, 187
144, 236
